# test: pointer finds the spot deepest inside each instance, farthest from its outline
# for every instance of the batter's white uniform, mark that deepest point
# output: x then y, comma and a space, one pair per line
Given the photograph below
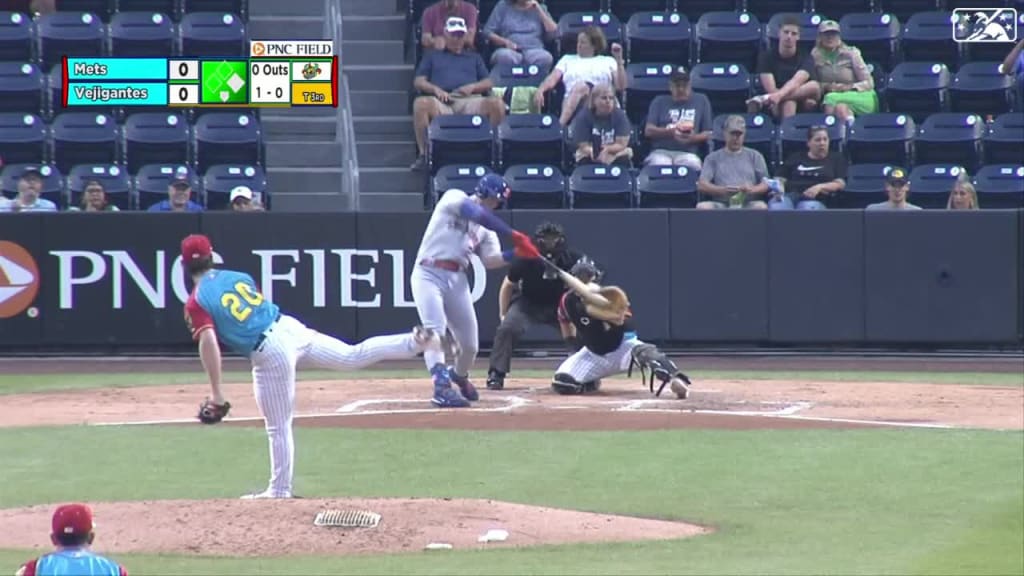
440, 286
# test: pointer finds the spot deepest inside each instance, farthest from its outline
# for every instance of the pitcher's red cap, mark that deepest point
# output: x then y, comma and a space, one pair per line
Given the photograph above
195, 246
72, 519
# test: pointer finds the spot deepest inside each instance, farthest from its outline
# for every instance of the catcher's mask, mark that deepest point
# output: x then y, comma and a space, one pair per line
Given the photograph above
586, 270
550, 240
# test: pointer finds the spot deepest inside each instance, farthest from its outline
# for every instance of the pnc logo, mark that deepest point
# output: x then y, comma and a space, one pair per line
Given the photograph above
19, 279
259, 49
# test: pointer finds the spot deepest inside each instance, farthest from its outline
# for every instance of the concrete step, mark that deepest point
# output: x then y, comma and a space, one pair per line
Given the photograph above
392, 180
376, 52
290, 8
293, 153
318, 202
285, 180
385, 202
373, 27
381, 154
368, 8
379, 102
287, 27
380, 77
292, 127
377, 128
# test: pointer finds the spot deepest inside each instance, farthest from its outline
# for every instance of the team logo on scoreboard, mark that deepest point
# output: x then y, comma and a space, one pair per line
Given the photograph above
311, 70
985, 25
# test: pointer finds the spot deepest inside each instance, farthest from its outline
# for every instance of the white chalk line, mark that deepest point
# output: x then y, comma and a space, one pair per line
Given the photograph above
355, 408
787, 409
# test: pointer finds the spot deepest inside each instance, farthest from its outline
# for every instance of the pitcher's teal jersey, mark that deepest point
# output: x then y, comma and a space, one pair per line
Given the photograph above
230, 302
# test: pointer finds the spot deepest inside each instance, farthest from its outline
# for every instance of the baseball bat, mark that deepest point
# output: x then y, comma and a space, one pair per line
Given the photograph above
574, 283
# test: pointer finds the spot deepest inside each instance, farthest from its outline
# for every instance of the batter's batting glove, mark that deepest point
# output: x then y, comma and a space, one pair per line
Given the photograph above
211, 413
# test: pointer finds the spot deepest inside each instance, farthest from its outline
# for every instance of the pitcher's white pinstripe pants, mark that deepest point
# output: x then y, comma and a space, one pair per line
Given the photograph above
289, 342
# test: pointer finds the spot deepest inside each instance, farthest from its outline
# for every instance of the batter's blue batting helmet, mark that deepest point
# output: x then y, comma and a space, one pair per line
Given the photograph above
493, 186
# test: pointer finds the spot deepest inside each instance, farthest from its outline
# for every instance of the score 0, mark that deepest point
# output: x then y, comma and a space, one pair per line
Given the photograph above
185, 90
270, 83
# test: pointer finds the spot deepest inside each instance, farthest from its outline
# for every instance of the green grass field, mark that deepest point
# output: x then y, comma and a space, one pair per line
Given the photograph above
892, 501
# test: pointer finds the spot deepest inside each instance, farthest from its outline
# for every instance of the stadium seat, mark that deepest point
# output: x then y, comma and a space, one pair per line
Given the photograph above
658, 37
169, 7
212, 34
882, 137
155, 137
694, 9
74, 34
152, 181
506, 74
764, 10
53, 180
15, 37
600, 186
1000, 185
727, 85
570, 24
667, 187
530, 139
728, 37
644, 82
905, 9
865, 184
536, 186
220, 179
21, 88
762, 135
793, 132
84, 138
141, 34
461, 176
809, 22
226, 138
626, 9
930, 184
980, 88
22, 138
954, 4
1004, 140
927, 38
114, 179
875, 35
459, 139
835, 9
918, 89
239, 7
101, 8
560, 8
950, 137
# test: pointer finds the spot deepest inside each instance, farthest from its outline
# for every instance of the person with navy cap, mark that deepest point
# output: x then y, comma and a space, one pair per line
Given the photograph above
72, 534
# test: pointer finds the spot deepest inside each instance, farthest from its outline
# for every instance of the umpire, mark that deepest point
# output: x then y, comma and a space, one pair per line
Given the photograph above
529, 295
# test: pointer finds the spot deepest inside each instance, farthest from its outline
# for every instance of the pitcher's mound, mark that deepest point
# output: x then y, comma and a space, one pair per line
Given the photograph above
286, 527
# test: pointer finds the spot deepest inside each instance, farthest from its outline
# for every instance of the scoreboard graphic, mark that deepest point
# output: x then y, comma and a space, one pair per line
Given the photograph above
278, 74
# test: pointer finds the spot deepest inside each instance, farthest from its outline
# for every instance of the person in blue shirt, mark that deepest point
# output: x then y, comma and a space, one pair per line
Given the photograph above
72, 535
30, 186
179, 196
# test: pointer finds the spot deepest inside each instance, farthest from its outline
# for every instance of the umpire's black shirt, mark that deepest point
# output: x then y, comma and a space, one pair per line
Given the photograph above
535, 289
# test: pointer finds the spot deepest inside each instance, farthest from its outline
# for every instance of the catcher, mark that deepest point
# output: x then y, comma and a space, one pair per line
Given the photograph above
601, 319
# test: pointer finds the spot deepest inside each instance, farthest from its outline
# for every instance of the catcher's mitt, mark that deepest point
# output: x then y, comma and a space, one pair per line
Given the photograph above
212, 413
617, 309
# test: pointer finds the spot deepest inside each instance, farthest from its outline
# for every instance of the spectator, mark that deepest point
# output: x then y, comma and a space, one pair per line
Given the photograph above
601, 132
845, 80
814, 177
583, 70
30, 185
678, 124
72, 534
94, 199
435, 18
179, 196
963, 196
242, 200
786, 75
1013, 65
734, 175
519, 28
897, 187
451, 81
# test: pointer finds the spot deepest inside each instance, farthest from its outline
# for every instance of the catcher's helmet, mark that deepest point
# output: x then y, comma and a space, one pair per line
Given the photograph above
493, 186
586, 270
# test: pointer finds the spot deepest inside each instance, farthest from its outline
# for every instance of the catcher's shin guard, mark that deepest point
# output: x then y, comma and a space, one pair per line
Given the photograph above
648, 357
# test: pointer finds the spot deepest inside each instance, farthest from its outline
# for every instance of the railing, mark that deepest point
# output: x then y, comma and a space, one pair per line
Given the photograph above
345, 133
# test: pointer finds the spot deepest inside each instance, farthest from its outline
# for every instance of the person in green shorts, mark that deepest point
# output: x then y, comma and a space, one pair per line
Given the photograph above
844, 77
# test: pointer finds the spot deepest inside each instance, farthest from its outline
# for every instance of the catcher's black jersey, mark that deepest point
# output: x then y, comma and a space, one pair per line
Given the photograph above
598, 336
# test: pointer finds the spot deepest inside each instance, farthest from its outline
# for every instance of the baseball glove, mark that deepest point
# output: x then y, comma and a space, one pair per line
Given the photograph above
211, 413
617, 309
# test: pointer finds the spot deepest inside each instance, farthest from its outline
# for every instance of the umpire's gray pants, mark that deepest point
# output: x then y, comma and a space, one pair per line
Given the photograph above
520, 316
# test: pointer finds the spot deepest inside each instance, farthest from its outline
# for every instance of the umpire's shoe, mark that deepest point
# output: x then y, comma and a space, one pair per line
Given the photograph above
465, 386
495, 380
444, 395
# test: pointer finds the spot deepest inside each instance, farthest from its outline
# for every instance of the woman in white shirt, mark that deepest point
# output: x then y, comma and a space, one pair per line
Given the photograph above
583, 70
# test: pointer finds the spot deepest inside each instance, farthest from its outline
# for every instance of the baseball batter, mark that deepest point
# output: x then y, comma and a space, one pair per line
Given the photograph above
226, 305
461, 225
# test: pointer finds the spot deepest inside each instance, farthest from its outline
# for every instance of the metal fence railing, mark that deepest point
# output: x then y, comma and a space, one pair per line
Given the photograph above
345, 133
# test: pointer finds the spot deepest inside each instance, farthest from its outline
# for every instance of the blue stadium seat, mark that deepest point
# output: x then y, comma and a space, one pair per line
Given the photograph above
882, 137
560, 8
1004, 140
84, 138
15, 37
658, 37
212, 34
506, 74
239, 7
905, 9
980, 88
865, 184
809, 22
835, 9
101, 8
152, 181
114, 179
21, 88
762, 135
667, 187
460, 139
530, 139
536, 186
875, 35
727, 85
22, 138
53, 180
600, 186
220, 179
171, 8
950, 137
766, 9
626, 9
918, 89
694, 9
728, 37
645, 81
155, 137
78, 34
226, 138
927, 38
141, 34
570, 24
793, 132
1000, 185
930, 184
461, 176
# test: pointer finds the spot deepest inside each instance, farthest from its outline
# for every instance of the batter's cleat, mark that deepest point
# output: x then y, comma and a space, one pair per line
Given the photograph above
465, 386
448, 398
680, 387
426, 339
495, 380
441, 377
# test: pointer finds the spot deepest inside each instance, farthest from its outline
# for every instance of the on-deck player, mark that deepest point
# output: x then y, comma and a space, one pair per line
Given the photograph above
227, 305
460, 225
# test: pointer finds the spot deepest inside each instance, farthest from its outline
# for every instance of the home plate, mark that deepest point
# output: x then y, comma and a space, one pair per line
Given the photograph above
423, 406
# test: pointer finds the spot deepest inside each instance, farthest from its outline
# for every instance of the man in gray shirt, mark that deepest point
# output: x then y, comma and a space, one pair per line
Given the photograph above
733, 176
678, 124
897, 187
518, 28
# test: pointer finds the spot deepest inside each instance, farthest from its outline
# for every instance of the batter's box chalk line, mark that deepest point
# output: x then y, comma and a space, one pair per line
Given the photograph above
359, 407
680, 406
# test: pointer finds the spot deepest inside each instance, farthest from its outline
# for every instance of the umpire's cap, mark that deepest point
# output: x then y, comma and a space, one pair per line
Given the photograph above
493, 186
586, 270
